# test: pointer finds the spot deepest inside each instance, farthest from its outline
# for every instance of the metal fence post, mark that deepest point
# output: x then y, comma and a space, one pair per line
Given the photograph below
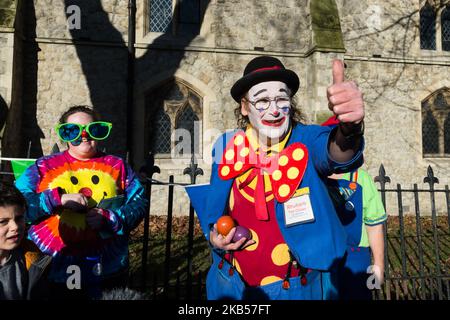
146, 173
402, 239
447, 197
168, 238
382, 178
193, 171
431, 180
419, 241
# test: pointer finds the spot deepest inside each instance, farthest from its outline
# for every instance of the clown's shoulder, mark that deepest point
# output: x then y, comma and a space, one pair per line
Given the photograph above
307, 130
221, 142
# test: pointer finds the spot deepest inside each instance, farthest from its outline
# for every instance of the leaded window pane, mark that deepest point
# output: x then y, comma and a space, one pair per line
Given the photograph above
447, 134
445, 23
160, 15
440, 102
427, 28
161, 132
430, 134
186, 120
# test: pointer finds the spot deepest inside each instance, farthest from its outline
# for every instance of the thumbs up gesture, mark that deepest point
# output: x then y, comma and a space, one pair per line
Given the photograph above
345, 100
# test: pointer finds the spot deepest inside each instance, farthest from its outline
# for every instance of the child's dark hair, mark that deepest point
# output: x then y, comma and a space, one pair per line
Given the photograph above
11, 196
81, 108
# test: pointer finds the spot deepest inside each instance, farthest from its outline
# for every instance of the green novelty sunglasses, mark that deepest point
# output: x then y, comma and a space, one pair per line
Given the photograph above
98, 130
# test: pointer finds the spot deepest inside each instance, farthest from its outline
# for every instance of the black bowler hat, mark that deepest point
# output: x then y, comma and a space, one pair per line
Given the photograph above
261, 69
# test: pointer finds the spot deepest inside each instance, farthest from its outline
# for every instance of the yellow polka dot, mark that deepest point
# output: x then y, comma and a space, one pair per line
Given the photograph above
298, 154
238, 140
229, 155
238, 165
283, 160
293, 173
237, 266
225, 171
254, 246
269, 279
276, 175
280, 254
244, 152
231, 201
284, 190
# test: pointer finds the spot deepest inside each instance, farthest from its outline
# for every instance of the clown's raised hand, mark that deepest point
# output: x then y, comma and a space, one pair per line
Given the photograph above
345, 99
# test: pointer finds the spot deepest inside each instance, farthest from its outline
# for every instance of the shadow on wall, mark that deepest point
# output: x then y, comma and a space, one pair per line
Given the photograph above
32, 132
3, 112
22, 134
105, 67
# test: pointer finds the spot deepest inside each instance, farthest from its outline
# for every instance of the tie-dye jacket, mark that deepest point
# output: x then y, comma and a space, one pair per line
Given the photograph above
64, 233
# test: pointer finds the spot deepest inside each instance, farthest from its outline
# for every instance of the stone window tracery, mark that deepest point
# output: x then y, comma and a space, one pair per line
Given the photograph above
436, 124
173, 117
445, 25
428, 27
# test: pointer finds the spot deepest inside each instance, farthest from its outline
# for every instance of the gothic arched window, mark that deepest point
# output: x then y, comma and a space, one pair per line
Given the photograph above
436, 124
430, 134
447, 134
188, 120
428, 27
163, 15
445, 27
171, 107
162, 132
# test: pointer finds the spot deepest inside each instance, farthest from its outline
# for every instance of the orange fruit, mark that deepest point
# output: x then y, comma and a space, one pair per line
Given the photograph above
225, 224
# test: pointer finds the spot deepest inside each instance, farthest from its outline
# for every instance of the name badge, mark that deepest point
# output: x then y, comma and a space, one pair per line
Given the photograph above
298, 209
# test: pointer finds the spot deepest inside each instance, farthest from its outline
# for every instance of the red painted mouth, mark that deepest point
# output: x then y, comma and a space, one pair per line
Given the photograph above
273, 123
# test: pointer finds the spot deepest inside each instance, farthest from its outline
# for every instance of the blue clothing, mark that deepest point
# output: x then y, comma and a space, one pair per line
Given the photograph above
352, 273
220, 285
317, 245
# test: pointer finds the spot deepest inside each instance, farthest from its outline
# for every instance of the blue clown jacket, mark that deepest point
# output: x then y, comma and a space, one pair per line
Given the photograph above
319, 244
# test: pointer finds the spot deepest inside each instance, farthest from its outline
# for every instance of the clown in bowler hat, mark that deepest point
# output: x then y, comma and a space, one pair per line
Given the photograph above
283, 239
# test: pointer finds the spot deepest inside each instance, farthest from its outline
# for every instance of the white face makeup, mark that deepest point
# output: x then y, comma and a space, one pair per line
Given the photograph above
273, 123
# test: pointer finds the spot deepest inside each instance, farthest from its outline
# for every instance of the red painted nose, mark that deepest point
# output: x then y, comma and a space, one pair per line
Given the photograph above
84, 134
87, 192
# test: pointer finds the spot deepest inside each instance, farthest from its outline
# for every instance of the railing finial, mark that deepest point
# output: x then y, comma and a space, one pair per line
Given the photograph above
193, 170
382, 178
430, 178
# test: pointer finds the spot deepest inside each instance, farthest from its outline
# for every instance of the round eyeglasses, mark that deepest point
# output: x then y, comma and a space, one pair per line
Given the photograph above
282, 102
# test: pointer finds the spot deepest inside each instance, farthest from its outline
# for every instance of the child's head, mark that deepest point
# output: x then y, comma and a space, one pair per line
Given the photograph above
12, 217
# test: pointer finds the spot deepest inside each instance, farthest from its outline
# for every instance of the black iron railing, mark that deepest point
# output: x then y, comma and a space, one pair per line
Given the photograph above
417, 243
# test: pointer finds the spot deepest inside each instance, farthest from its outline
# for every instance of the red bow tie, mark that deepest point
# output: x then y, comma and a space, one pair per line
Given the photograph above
285, 169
